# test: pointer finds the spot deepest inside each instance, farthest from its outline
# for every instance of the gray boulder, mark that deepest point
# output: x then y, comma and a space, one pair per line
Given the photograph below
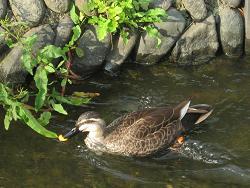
198, 44
59, 6
120, 52
63, 30
232, 3
95, 52
3, 8
164, 4
31, 11
170, 30
231, 31
196, 8
11, 69
2, 40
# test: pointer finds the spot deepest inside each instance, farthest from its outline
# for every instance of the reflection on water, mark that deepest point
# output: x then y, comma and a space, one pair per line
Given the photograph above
217, 154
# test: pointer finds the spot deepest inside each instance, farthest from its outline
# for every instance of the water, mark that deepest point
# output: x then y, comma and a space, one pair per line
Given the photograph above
215, 155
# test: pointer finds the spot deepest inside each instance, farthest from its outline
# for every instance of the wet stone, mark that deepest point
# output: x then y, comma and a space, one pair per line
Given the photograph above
3, 8
231, 31
59, 6
63, 30
11, 69
119, 52
196, 8
94, 50
31, 12
232, 3
170, 31
164, 4
198, 44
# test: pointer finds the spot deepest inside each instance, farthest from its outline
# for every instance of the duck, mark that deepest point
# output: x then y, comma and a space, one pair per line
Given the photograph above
141, 133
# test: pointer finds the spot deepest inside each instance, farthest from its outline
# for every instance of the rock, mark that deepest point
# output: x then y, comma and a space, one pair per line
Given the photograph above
95, 52
119, 52
59, 6
81, 4
232, 3
164, 4
2, 40
231, 31
3, 8
170, 30
31, 11
64, 30
198, 44
196, 8
11, 69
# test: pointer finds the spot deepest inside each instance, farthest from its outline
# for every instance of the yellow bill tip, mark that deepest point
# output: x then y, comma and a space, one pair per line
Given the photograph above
61, 138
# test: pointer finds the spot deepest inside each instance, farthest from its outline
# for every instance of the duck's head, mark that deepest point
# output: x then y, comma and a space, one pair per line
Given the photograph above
89, 122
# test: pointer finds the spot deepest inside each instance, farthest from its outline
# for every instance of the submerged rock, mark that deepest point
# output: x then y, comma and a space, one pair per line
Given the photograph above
196, 8
164, 4
232, 3
59, 6
31, 11
63, 30
11, 69
120, 52
198, 44
3, 8
231, 31
170, 30
94, 50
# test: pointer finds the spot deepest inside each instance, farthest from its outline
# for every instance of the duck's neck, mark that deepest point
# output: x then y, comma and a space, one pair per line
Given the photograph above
96, 133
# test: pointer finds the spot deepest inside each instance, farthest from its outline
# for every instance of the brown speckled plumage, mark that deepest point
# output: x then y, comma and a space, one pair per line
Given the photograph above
144, 132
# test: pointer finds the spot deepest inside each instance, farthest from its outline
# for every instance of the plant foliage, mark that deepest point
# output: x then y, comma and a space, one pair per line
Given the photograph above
40, 65
119, 16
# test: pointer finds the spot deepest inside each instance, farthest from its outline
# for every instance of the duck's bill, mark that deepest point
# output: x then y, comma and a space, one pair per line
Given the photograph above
68, 135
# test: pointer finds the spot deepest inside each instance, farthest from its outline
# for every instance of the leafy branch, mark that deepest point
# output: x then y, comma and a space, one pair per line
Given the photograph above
40, 65
118, 16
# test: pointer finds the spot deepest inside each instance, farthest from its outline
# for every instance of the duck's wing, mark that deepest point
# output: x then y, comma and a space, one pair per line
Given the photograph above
132, 118
144, 132
147, 131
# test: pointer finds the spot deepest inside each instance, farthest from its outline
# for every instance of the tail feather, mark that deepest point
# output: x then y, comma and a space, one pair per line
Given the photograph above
195, 115
181, 109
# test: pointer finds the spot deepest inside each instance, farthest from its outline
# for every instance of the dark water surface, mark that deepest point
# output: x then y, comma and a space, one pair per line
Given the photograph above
215, 155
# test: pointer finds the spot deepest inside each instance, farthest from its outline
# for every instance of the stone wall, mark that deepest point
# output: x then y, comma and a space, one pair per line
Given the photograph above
194, 32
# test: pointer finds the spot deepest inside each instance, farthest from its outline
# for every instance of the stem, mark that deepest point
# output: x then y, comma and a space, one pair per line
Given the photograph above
8, 31
33, 109
68, 66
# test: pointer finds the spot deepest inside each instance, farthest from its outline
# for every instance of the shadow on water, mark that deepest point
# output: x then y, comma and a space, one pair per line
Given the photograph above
217, 154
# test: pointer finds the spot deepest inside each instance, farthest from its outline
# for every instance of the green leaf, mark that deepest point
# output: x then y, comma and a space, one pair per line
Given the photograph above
50, 68
79, 52
73, 15
10, 42
71, 100
60, 64
28, 62
29, 41
52, 52
76, 35
59, 108
32, 122
44, 118
7, 119
41, 81
124, 35
154, 33
64, 82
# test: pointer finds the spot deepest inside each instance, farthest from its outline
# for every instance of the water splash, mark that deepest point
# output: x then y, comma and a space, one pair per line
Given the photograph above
205, 152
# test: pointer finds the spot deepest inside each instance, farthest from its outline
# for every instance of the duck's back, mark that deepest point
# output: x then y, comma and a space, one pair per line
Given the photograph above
143, 132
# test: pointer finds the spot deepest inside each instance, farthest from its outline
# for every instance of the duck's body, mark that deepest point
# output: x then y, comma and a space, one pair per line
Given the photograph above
140, 133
